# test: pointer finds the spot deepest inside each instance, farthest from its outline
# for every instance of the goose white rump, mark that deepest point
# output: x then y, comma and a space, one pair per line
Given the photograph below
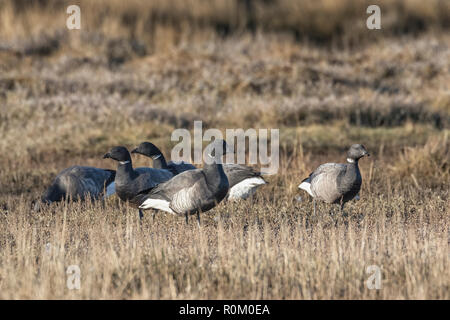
245, 188
157, 204
306, 185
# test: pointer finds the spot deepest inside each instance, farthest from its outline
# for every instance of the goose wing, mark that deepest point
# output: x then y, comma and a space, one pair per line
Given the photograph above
181, 194
90, 180
79, 181
149, 178
327, 169
237, 173
177, 167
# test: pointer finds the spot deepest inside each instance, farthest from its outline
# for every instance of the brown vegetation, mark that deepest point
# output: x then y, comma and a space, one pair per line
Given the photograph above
138, 71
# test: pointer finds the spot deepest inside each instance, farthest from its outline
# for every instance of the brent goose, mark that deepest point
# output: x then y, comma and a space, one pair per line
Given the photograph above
193, 191
132, 184
243, 180
79, 182
159, 162
336, 182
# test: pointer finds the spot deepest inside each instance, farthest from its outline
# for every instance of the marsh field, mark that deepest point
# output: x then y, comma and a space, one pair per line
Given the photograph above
137, 70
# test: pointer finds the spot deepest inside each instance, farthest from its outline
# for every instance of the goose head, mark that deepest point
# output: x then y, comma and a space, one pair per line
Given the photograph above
147, 149
119, 153
356, 152
217, 149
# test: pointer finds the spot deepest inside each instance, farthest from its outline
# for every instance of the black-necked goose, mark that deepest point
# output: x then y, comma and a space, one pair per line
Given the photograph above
336, 182
243, 180
79, 182
132, 184
148, 149
192, 191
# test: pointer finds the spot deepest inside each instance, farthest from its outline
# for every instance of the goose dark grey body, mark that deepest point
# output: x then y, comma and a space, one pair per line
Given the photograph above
132, 184
243, 180
79, 182
192, 191
336, 182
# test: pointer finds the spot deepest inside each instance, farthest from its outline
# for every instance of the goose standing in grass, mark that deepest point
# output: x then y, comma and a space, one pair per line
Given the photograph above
79, 182
132, 184
192, 191
336, 182
148, 149
243, 180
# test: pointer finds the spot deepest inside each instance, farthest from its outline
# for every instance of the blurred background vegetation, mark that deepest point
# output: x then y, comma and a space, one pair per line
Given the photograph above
139, 69
172, 21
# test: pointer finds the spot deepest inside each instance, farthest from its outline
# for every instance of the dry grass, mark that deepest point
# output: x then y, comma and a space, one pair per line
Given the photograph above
66, 97
273, 249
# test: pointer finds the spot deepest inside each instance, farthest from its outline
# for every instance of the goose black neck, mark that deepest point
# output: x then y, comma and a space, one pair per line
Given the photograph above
159, 162
214, 173
353, 168
125, 170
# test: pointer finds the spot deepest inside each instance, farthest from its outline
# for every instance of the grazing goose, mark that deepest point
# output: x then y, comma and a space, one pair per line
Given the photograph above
192, 191
79, 182
159, 162
243, 180
132, 184
336, 183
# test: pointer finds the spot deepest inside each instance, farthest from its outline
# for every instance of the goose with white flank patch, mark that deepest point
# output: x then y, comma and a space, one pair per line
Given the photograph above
79, 182
243, 180
336, 182
133, 184
193, 191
